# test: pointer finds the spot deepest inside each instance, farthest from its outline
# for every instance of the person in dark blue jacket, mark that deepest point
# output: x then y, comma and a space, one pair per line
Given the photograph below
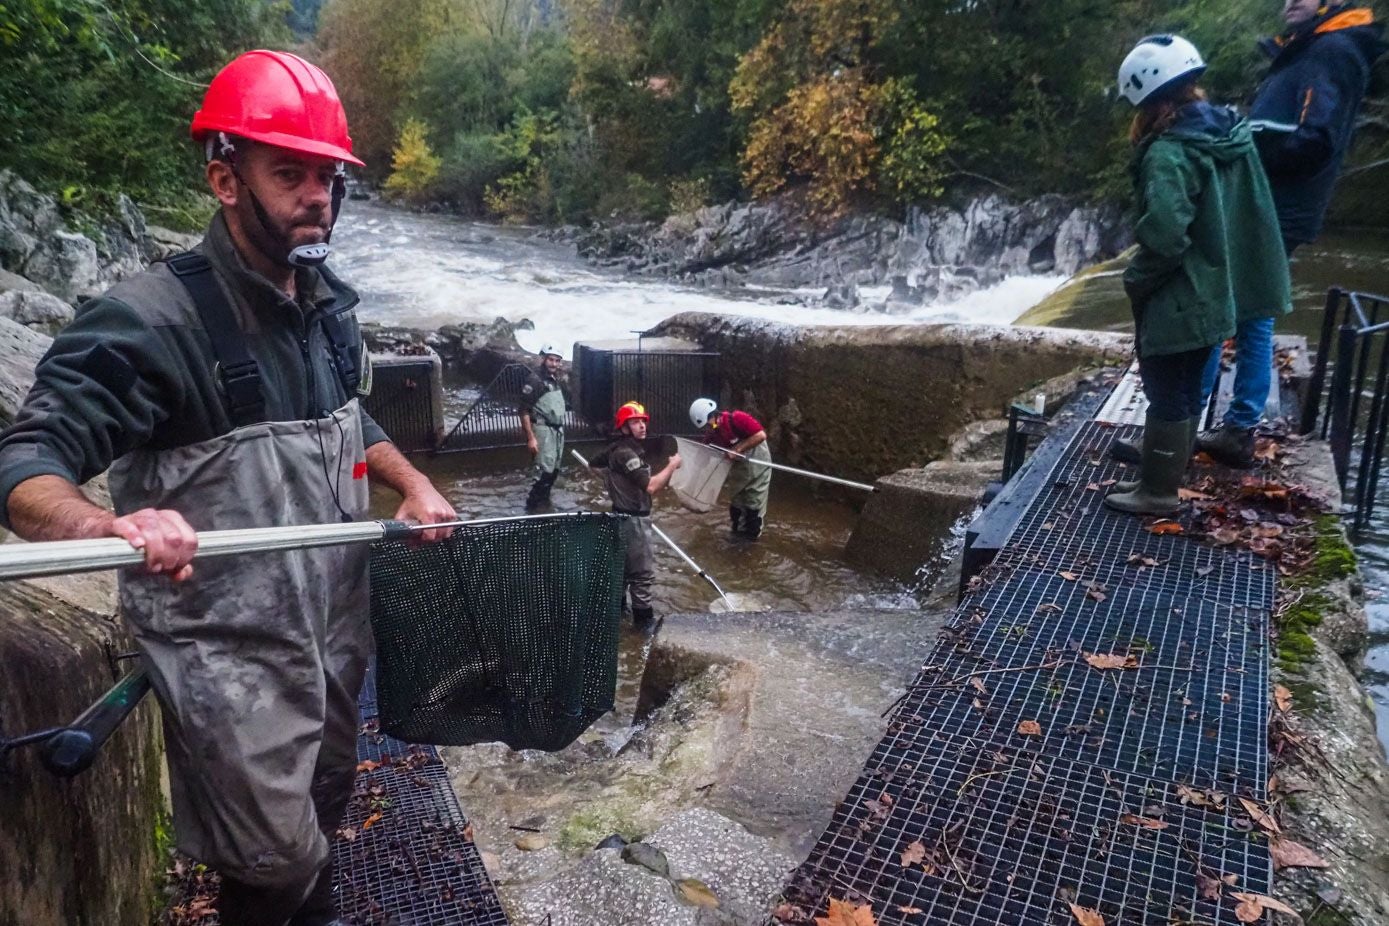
1303, 115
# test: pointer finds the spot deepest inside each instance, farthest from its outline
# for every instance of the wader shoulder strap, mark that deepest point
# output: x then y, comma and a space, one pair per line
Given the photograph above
347, 356
238, 374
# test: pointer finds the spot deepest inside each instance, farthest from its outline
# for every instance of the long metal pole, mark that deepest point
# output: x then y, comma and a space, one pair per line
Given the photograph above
58, 557
692, 564
674, 546
791, 469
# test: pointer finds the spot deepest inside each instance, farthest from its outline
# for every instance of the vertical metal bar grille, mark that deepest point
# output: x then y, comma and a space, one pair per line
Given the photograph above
494, 420
401, 402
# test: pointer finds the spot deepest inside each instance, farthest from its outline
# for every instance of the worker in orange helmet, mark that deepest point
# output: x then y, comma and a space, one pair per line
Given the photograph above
221, 387
630, 487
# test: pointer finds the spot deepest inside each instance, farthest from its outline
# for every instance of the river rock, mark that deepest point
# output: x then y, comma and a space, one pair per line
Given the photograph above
647, 856
21, 349
723, 876
163, 242
775, 244
12, 282
36, 243
36, 310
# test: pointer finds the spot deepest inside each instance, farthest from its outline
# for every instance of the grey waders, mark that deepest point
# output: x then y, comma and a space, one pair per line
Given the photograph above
1166, 453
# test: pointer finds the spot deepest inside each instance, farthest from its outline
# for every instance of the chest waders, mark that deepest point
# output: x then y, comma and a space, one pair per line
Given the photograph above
751, 486
256, 660
547, 424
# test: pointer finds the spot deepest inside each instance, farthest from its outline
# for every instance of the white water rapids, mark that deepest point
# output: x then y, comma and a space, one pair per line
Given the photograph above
425, 271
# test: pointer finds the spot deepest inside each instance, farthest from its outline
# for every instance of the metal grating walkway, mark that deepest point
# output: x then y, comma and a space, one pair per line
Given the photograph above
416, 863
1033, 778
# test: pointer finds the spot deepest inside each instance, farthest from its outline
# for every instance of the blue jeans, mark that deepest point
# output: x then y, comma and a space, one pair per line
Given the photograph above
1172, 384
1253, 373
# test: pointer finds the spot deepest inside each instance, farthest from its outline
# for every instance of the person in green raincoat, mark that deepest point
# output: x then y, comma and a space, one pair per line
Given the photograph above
1209, 252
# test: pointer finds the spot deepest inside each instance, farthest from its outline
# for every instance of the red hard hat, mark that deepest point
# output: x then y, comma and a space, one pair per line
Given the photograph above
632, 411
279, 99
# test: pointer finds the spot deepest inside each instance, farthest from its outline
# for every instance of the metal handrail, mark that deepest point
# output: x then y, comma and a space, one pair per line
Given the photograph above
1354, 350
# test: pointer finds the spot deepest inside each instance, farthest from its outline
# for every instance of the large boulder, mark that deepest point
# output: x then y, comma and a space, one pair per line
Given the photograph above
36, 310
36, 242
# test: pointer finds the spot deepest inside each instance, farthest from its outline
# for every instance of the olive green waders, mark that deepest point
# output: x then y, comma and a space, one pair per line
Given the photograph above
257, 660
751, 486
547, 424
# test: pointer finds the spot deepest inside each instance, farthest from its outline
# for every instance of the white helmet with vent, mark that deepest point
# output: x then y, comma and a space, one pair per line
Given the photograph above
701, 411
1157, 63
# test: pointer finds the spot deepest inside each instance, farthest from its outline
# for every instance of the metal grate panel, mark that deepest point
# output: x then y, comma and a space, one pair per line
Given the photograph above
494, 420
403, 401
1011, 838
416, 863
1033, 778
1193, 710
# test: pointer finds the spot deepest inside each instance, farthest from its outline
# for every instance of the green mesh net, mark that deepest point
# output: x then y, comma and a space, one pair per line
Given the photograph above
506, 632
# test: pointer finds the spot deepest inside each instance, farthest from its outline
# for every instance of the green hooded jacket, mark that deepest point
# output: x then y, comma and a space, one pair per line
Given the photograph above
1209, 250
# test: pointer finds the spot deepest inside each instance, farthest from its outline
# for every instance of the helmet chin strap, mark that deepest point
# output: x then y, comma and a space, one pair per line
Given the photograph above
305, 255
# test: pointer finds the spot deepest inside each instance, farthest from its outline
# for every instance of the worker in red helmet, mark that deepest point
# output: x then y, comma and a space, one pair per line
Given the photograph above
222, 387
630, 487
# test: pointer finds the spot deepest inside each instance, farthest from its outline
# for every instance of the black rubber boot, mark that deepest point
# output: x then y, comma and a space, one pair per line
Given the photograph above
752, 523
1127, 451
1166, 453
1229, 445
735, 515
319, 908
540, 492
643, 618
240, 904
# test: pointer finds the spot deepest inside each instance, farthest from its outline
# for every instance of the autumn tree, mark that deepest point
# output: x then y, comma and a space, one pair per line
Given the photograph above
414, 166
372, 49
825, 113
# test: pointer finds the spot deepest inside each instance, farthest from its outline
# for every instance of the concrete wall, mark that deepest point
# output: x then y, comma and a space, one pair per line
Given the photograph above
861, 402
78, 852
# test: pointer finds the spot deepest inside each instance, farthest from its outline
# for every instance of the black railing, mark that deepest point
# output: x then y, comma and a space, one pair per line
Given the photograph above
1353, 409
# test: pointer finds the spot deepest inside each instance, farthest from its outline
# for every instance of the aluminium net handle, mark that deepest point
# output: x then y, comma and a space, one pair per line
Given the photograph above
861, 486
59, 557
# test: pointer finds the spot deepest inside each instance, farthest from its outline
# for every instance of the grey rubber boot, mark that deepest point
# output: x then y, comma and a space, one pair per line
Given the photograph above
1166, 453
1194, 429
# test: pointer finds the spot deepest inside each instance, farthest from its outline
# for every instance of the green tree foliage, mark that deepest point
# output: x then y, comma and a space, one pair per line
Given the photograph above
414, 166
96, 98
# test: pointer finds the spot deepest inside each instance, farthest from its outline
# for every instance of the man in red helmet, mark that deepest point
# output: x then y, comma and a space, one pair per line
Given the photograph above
630, 486
222, 389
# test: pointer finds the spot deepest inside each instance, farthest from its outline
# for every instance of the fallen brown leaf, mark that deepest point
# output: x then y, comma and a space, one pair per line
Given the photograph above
1085, 916
1030, 728
1190, 495
978, 686
371, 821
1289, 854
1282, 699
1208, 887
913, 854
1148, 823
1111, 661
367, 766
1068, 576
1252, 906
1165, 527
1261, 816
695, 892
847, 914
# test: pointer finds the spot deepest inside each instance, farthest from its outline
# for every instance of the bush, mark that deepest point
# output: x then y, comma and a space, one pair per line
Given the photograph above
414, 166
